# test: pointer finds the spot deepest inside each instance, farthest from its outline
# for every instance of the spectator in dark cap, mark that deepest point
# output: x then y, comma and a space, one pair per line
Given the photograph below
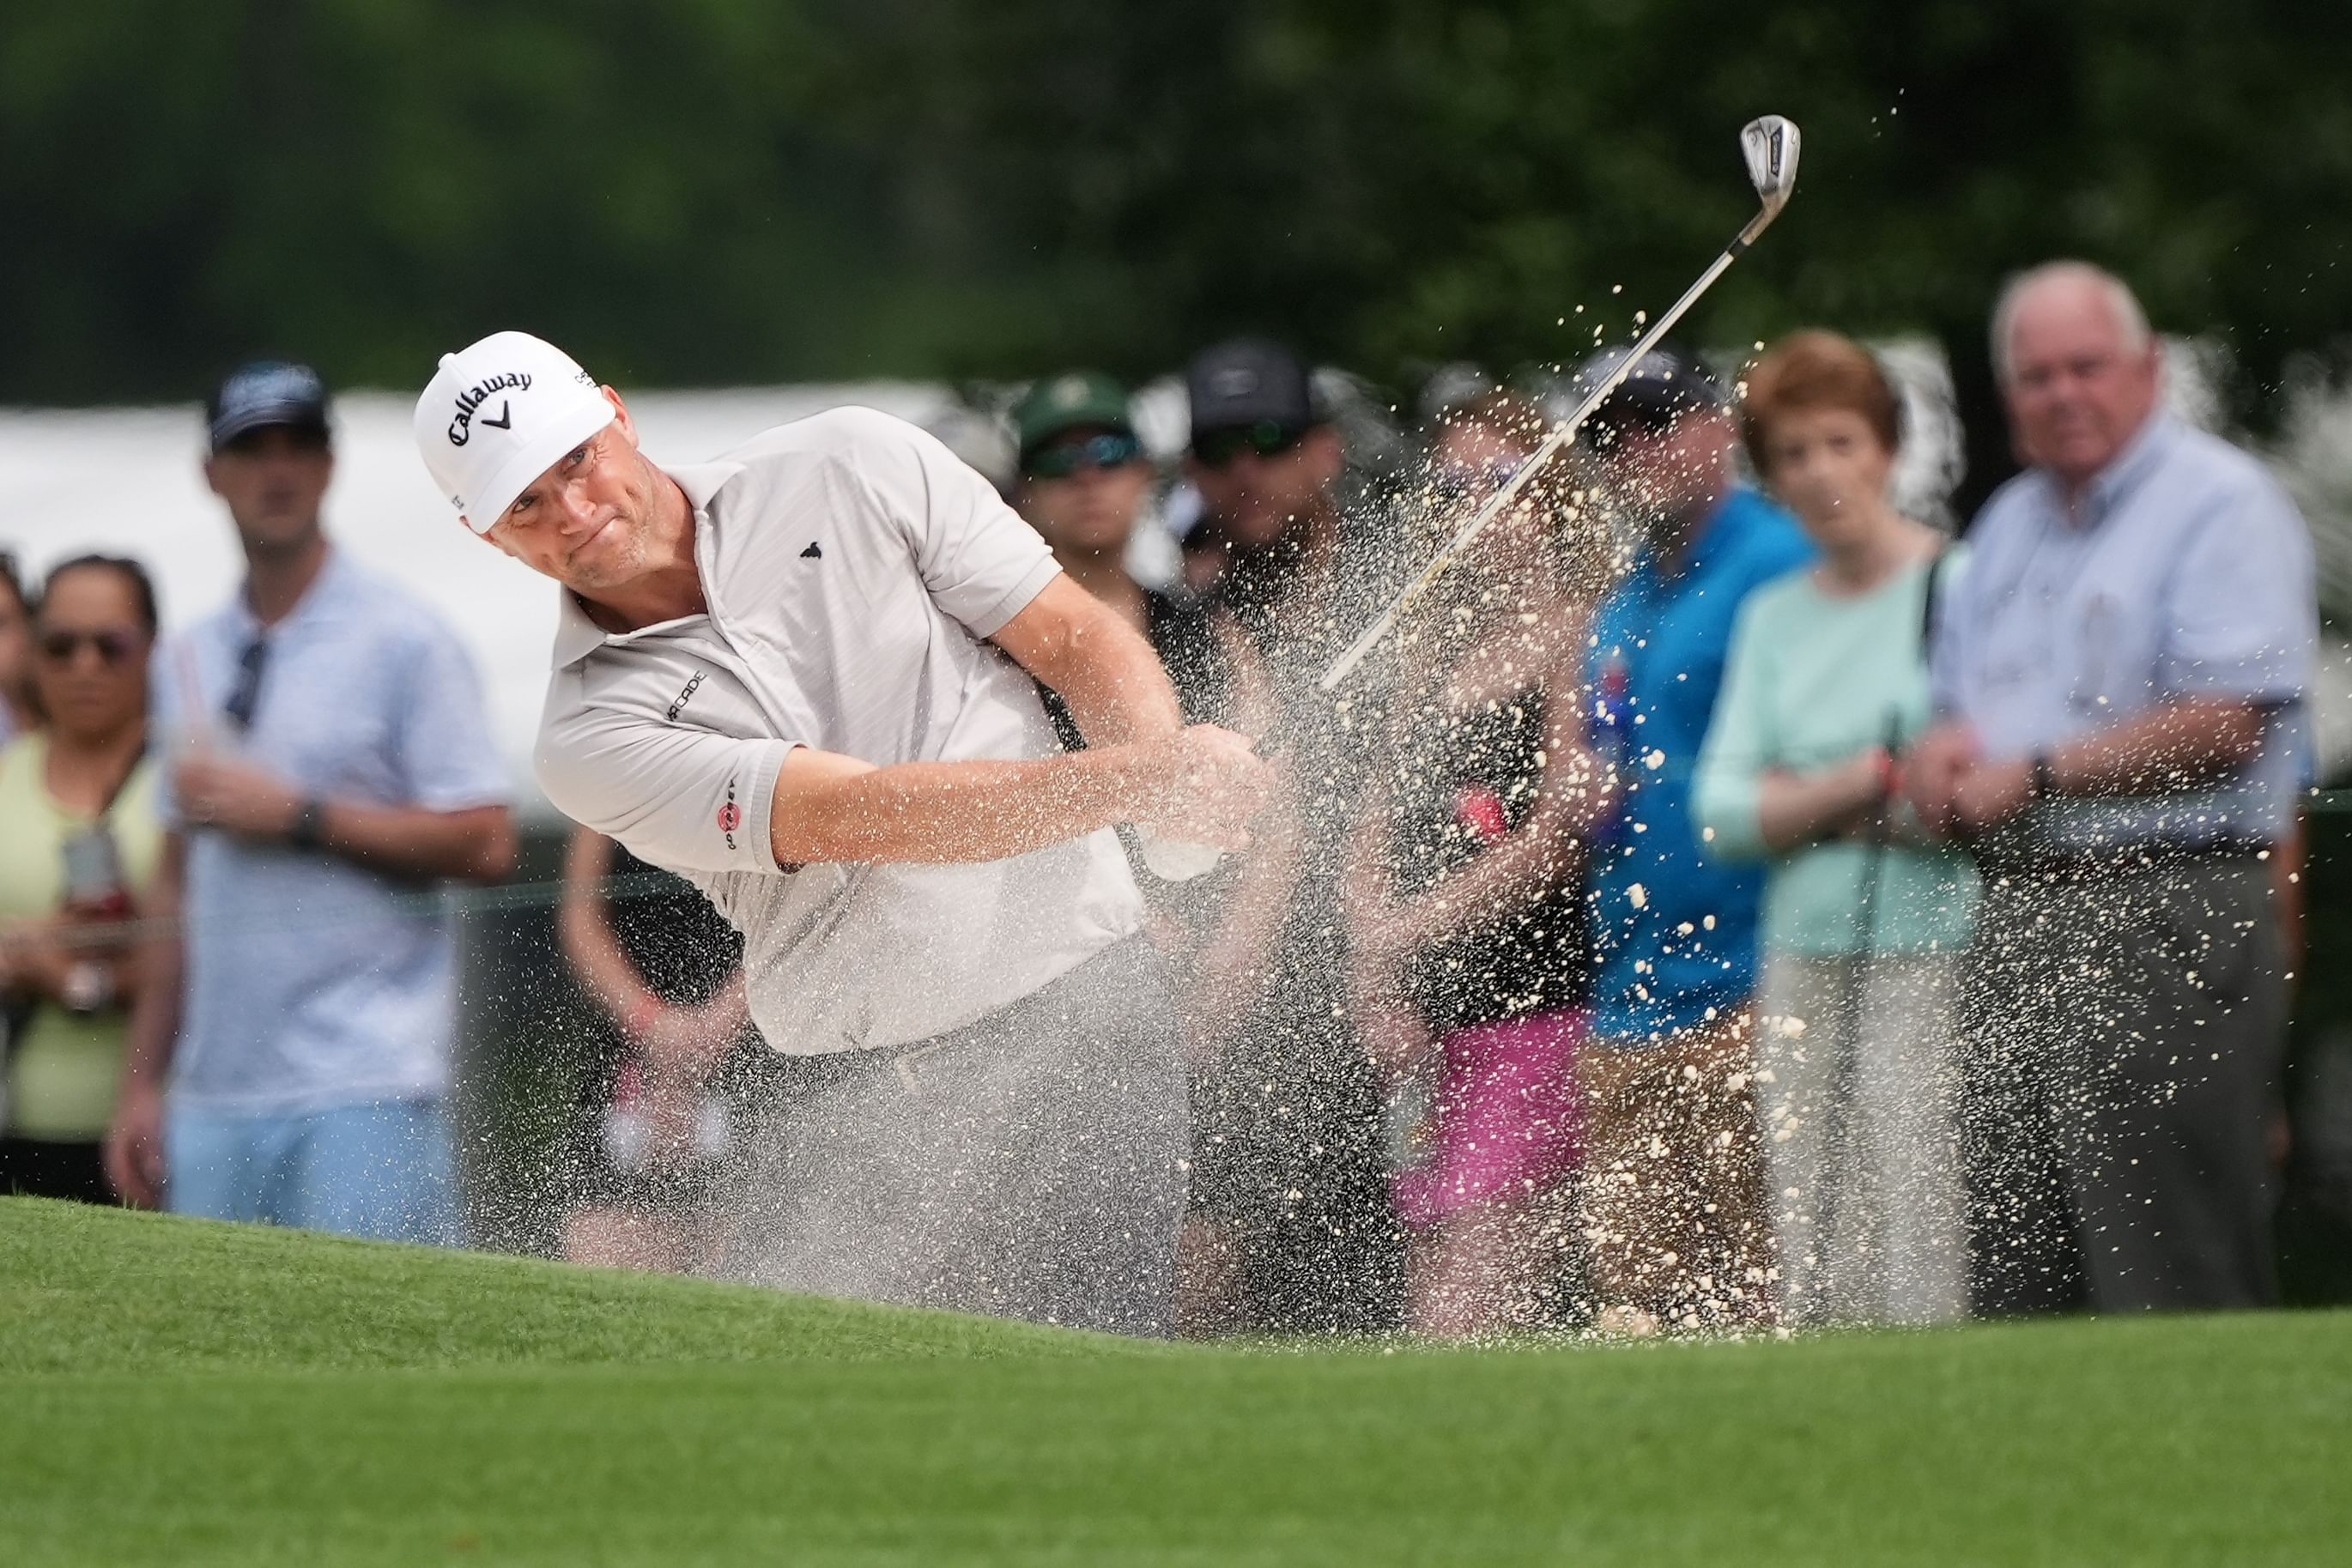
1672, 1200
1085, 483
1264, 461
329, 761
1299, 1171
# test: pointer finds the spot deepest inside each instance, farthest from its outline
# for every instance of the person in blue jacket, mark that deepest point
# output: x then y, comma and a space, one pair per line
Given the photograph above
1673, 1206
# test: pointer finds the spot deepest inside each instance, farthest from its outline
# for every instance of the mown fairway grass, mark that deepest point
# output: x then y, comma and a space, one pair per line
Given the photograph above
173, 1392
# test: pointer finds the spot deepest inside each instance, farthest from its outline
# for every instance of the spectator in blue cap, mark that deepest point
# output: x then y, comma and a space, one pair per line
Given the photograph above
289, 1051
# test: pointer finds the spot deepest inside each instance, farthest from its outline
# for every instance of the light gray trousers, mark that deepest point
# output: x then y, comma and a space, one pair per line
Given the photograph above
1858, 1085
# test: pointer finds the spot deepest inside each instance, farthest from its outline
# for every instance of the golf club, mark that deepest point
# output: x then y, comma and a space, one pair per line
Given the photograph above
1769, 145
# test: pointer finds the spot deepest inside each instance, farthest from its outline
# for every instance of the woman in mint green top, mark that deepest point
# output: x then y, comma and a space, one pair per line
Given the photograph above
1826, 682
80, 844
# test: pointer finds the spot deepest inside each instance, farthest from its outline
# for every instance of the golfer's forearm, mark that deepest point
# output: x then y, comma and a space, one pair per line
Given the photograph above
1115, 687
945, 813
2180, 746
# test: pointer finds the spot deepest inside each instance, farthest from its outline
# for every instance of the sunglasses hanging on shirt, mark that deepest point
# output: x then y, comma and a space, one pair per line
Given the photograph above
247, 695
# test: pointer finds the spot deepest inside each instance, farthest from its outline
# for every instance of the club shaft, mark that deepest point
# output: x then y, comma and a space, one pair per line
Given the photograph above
1562, 435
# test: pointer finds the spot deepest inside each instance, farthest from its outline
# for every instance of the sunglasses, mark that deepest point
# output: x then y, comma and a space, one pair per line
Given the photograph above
1267, 437
1106, 451
247, 695
113, 648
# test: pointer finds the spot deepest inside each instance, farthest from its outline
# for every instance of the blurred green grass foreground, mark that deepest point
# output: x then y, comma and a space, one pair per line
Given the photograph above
180, 1392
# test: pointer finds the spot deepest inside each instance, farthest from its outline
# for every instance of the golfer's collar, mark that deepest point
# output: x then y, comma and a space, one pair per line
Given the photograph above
703, 481
577, 636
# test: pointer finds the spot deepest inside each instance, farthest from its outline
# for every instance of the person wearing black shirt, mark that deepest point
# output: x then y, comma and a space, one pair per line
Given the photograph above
1469, 941
1085, 484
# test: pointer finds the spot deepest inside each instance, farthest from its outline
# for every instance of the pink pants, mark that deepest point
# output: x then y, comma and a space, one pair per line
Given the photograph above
1508, 1122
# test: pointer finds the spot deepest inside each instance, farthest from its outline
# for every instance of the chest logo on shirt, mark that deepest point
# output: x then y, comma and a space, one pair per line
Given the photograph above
677, 703
811, 553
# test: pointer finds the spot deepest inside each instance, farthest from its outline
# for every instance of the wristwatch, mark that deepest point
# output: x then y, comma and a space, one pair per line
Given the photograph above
309, 828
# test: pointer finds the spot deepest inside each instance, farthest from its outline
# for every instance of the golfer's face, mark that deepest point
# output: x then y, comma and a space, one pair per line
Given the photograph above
583, 521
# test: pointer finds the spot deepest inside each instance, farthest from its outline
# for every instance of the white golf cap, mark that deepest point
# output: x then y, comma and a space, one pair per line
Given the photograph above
498, 415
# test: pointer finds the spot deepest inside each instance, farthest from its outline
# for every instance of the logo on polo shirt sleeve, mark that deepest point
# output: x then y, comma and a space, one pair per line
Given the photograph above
730, 816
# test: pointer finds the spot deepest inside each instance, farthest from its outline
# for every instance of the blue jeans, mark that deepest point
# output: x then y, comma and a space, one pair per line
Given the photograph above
385, 1171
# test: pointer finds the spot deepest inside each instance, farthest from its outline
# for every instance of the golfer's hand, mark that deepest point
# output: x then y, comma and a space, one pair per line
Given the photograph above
134, 1146
1203, 785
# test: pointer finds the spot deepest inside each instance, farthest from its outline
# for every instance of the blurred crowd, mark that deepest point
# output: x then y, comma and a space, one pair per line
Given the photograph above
1726, 902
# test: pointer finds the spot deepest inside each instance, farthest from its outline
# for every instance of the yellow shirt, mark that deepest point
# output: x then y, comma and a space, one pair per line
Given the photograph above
64, 1069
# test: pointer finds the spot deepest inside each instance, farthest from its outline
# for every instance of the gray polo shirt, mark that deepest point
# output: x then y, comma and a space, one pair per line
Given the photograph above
2187, 574
853, 566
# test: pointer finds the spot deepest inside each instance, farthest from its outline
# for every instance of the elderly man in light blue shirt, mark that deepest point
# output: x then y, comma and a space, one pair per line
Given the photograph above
289, 1056
2123, 675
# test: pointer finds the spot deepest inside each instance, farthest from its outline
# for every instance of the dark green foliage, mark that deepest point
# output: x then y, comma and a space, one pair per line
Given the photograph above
716, 191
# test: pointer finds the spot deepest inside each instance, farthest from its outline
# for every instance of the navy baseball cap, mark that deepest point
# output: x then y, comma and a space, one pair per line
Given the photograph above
1249, 381
266, 394
1666, 384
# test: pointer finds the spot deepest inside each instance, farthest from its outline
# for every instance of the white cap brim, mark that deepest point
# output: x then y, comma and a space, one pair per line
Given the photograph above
531, 459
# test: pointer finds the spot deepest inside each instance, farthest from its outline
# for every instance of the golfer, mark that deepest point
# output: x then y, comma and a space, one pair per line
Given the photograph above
801, 677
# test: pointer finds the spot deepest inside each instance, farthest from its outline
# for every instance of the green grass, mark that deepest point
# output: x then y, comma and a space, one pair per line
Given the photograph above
181, 1392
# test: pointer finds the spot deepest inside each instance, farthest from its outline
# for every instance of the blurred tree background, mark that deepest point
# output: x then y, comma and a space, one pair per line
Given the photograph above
722, 190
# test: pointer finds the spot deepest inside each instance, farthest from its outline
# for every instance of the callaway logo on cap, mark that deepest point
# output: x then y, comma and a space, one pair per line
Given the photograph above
498, 415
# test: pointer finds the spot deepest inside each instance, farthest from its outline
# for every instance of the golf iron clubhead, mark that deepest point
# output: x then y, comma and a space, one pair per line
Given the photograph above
1771, 143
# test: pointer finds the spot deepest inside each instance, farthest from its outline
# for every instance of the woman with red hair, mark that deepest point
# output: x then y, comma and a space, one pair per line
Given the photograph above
1826, 682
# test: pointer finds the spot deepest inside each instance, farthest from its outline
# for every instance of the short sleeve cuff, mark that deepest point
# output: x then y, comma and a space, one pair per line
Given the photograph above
1015, 599
751, 843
